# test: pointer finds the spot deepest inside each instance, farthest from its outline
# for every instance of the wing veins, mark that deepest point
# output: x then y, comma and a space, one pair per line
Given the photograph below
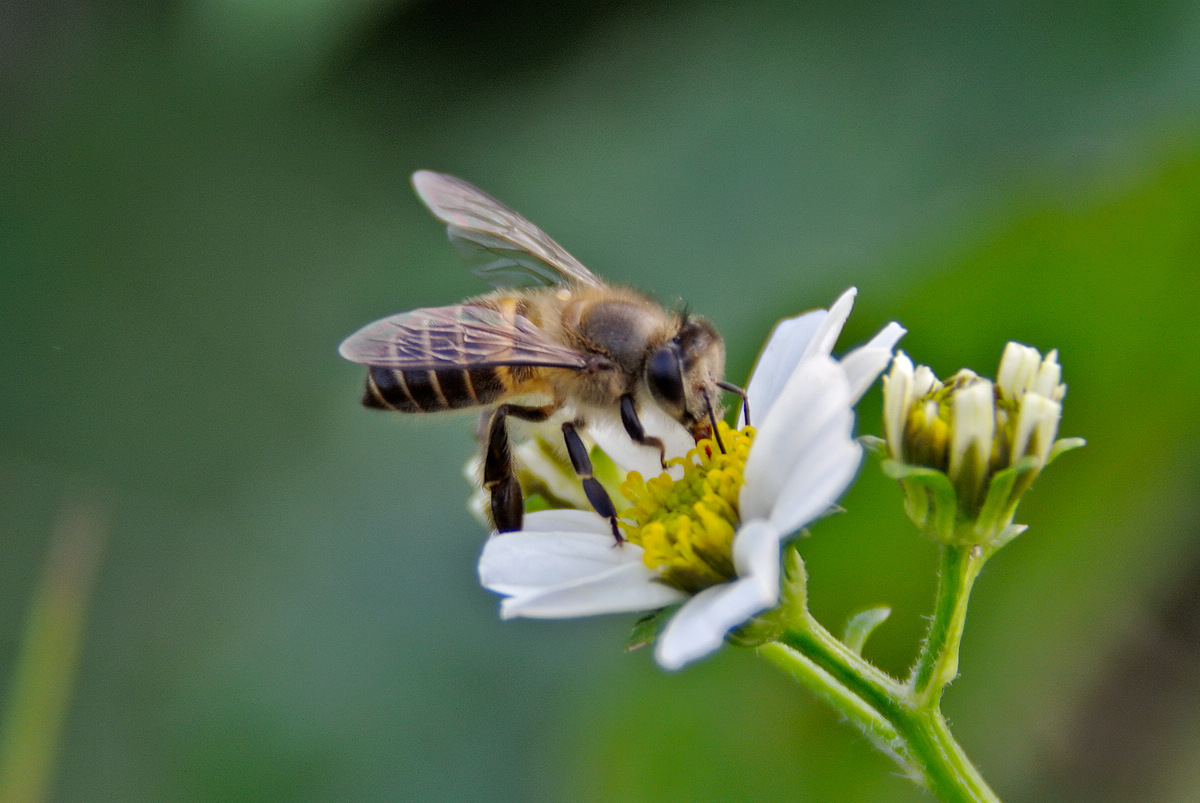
476, 219
457, 337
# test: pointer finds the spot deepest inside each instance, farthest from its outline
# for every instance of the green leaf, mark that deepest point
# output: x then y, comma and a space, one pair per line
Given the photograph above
874, 444
1062, 446
862, 625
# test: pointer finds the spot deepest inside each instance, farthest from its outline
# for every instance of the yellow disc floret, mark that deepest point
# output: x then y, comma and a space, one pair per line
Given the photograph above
686, 526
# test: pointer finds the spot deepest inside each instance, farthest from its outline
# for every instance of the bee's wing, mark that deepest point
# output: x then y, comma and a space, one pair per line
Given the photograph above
506, 249
462, 336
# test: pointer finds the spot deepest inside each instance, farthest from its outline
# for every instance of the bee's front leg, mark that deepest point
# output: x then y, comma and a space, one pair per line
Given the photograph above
499, 471
633, 425
577, 451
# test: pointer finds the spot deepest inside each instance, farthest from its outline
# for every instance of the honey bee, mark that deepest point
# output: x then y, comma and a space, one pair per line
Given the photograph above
588, 350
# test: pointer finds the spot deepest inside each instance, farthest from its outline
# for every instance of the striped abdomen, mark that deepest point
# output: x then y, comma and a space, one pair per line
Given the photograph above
424, 391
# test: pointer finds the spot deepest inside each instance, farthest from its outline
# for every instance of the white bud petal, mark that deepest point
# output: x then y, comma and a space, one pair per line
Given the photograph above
1046, 383
973, 428
1037, 426
924, 381
898, 397
1018, 366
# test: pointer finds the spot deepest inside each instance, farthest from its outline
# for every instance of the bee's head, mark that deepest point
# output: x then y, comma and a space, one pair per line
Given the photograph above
683, 376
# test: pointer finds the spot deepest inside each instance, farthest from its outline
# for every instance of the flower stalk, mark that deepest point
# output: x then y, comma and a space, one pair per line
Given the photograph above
937, 665
903, 720
916, 738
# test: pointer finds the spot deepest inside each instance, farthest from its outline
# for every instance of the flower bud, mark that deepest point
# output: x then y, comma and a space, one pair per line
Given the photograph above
967, 449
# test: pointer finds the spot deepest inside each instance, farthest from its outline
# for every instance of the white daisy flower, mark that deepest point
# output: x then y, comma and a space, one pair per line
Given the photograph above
710, 537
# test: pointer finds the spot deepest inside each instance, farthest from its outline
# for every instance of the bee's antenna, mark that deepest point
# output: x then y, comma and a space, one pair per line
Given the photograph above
732, 388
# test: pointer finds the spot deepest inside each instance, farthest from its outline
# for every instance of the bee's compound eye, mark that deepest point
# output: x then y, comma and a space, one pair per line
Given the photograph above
664, 375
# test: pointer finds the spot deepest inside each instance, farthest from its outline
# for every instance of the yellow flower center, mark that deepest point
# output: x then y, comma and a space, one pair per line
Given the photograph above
686, 526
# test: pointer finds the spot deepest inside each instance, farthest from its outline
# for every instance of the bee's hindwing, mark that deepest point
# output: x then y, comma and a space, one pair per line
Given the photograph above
505, 249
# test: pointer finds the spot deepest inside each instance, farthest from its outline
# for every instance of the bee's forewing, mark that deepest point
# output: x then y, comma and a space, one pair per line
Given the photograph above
508, 250
461, 336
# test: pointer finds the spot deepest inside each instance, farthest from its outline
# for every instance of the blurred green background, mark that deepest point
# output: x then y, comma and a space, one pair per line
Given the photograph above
198, 200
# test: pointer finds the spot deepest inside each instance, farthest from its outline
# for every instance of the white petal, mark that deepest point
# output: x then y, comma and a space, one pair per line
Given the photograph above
521, 560
567, 521
611, 437
786, 345
701, 624
791, 341
616, 443
695, 630
812, 414
677, 441
817, 481
756, 556
566, 574
865, 363
537, 457
629, 589
479, 505
831, 328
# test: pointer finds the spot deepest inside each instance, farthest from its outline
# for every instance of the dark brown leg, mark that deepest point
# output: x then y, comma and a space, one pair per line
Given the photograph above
499, 472
582, 463
633, 425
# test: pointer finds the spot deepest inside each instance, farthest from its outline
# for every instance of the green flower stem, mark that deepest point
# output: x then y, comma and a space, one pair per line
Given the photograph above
876, 726
916, 736
937, 664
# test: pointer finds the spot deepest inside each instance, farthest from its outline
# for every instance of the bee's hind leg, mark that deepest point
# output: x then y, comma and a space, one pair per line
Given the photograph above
577, 451
633, 425
499, 471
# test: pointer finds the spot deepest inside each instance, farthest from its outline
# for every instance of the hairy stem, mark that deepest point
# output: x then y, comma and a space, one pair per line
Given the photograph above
914, 734
937, 664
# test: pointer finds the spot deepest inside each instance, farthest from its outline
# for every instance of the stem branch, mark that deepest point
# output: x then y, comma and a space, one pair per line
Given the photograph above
903, 720
916, 737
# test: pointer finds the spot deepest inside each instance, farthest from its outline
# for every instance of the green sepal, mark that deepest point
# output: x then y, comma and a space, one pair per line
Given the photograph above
862, 625
897, 470
794, 600
646, 629
1001, 502
1063, 445
929, 496
762, 629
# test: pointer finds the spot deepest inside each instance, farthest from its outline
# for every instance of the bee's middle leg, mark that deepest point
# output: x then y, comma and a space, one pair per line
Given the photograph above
633, 425
500, 472
601, 501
